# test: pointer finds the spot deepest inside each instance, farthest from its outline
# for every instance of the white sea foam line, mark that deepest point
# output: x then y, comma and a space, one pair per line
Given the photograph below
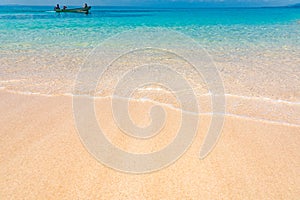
28, 93
150, 89
207, 94
9, 81
263, 99
230, 95
165, 105
208, 113
160, 89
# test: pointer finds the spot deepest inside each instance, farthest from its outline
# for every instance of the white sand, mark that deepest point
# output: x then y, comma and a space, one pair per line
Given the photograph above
42, 158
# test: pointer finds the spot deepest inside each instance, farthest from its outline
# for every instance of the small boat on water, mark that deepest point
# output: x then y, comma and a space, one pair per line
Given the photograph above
85, 10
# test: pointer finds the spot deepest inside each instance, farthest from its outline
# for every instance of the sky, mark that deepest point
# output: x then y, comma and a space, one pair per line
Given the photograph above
157, 3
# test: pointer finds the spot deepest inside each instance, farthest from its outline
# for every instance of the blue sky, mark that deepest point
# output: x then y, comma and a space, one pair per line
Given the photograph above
156, 2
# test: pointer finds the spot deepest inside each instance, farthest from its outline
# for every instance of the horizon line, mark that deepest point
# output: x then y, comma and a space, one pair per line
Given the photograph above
164, 6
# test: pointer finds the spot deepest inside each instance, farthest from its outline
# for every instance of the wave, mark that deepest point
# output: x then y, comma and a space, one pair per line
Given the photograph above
228, 114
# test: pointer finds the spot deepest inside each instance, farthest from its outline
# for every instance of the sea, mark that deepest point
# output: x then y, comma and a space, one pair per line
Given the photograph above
256, 52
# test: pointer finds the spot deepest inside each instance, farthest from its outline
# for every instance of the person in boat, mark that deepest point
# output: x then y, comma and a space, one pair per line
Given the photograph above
65, 7
85, 5
56, 7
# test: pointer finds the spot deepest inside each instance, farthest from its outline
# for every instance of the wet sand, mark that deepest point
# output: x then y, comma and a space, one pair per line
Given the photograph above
42, 157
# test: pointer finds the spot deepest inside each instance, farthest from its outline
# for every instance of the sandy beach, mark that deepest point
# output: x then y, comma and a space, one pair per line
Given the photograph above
42, 157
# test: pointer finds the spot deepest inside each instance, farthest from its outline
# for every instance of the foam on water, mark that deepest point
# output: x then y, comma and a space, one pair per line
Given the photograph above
260, 116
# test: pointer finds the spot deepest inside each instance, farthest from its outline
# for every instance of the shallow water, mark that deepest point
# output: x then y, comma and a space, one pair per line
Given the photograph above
257, 52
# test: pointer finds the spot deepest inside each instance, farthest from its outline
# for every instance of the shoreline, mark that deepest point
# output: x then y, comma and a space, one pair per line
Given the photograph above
170, 106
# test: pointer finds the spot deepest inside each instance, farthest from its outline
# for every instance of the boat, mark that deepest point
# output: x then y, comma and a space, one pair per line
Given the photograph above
75, 10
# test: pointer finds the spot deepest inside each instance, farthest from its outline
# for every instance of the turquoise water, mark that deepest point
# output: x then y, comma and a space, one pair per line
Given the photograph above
256, 50
34, 27
39, 43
